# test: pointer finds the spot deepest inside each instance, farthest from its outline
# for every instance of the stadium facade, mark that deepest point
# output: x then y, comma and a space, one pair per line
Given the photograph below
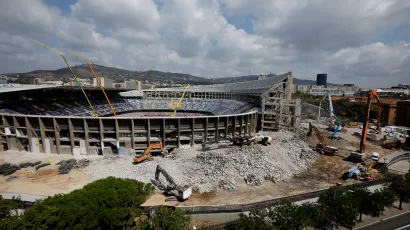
59, 120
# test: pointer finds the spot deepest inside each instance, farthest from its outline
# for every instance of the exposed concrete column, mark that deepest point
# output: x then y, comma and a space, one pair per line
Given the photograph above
43, 134
71, 131
233, 125
101, 134
206, 129
241, 125
217, 129
179, 133
87, 136
57, 135
298, 111
30, 134
117, 130
246, 124
192, 131
149, 132
163, 132
132, 134
226, 126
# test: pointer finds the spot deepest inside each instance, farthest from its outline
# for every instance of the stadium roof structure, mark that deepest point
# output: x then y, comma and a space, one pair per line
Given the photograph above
4, 88
9, 88
248, 87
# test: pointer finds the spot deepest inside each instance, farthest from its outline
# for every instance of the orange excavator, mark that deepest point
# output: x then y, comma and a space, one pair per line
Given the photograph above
147, 153
359, 155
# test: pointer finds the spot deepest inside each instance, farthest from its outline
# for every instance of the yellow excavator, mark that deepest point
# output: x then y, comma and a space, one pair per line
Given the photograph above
147, 153
322, 147
176, 106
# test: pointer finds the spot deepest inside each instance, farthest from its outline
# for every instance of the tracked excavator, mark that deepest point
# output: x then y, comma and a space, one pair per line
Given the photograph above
322, 147
147, 153
179, 191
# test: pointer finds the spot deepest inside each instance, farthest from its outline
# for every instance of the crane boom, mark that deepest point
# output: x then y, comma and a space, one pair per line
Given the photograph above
179, 102
372, 93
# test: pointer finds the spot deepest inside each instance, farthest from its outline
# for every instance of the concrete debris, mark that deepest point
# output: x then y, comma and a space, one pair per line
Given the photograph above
7, 169
42, 165
28, 164
10, 178
221, 168
226, 185
65, 166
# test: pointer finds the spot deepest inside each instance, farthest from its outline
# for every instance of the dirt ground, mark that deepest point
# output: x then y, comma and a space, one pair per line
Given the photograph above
46, 181
324, 172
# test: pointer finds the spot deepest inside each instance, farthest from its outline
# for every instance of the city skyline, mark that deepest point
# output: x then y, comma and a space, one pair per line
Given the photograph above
366, 44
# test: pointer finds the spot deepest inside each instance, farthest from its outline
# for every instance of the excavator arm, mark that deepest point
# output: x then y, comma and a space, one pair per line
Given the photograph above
182, 192
370, 95
147, 152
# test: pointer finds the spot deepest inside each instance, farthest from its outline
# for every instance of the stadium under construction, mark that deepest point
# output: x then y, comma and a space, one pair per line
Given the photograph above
59, 120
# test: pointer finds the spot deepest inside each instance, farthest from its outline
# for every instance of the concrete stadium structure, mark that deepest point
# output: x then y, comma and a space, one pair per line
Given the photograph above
55, 120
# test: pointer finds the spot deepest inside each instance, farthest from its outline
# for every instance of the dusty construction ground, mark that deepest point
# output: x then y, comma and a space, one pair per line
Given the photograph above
324, 172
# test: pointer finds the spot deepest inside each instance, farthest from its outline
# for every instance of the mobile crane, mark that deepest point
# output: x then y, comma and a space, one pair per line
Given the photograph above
360, 154
334, 121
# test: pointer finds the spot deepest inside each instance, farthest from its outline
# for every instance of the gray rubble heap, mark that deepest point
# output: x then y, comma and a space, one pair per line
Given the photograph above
221, 168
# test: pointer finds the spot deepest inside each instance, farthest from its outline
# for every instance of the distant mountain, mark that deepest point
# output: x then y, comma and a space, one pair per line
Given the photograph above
120, 75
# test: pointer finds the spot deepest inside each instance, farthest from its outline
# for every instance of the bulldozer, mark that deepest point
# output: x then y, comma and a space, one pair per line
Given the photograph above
179, 191
147, 153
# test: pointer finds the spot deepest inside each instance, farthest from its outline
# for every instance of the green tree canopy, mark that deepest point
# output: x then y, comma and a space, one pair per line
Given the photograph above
166, 219
110, 203
400, 186
9, 218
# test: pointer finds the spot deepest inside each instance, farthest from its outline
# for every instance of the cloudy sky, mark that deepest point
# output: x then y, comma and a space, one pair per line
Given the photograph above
364, 42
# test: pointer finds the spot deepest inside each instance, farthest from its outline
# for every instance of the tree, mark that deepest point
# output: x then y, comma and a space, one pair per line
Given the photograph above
255, 220
110, 203
9, 217
365, 203
383, 198
314, 215
165, 218
286, 216
400, 186
342, 205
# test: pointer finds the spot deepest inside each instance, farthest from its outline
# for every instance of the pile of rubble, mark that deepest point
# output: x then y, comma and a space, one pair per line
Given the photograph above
221, 168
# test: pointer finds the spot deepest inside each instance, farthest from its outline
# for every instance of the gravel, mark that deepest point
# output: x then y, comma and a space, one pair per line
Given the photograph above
220, 168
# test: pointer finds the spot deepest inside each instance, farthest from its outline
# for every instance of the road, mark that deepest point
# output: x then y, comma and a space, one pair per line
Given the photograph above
401, 221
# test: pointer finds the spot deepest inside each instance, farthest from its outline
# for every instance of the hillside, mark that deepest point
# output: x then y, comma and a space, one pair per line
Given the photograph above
120, 75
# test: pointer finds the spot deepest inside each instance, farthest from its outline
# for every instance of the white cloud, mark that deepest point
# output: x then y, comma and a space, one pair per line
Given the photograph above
308, 36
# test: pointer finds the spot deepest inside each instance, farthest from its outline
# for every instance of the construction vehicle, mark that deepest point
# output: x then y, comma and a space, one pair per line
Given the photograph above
181, 192
322, 147
360, 155
239, 141
176, 106
147, 153
334, 121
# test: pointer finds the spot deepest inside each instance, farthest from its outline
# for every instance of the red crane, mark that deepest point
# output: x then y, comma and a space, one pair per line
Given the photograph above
372, 93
